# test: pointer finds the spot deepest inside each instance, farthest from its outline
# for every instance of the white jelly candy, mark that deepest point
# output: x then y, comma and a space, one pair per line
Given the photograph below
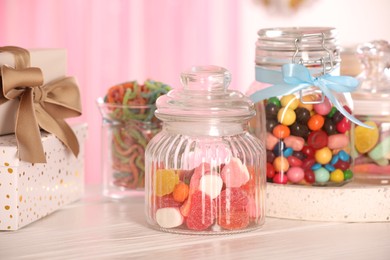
169, 217
211, 184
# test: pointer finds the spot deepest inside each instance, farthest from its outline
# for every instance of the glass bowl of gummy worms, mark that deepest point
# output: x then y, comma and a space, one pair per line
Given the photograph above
128, 125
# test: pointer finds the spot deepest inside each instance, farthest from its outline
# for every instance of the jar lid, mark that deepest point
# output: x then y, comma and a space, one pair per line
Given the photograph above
204, 95
278, 46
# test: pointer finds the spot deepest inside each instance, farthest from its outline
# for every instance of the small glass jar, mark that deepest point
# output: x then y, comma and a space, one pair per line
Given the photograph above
307, 125
205, 173
126, 130
372, 105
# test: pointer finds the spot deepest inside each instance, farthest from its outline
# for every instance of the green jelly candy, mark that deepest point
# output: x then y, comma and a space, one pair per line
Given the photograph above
332, 111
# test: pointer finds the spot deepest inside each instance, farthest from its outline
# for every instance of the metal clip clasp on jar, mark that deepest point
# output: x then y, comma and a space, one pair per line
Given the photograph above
326, 62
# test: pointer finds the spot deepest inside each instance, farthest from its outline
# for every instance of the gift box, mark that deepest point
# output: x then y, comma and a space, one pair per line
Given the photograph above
30, 191
53, 64
37, 95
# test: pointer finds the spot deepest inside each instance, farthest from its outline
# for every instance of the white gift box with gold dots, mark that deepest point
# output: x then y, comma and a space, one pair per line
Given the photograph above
29, 191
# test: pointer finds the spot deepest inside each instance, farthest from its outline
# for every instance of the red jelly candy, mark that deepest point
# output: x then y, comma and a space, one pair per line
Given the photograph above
308, 151
234, 220
308, 163
342, 165
166, 201
317, 139
232, 209
280, 178
294, 161
310, 176
232, 199
270, 171
202, 212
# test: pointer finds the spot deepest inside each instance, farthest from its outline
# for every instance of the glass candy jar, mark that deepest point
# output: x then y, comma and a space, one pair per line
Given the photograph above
307, 107
126, 130
372, 105
205, 173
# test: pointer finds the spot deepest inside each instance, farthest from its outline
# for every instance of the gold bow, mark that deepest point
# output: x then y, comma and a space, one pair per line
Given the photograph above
40, 106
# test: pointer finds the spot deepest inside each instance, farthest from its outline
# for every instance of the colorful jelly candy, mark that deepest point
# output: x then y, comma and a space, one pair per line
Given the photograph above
165, 181
202, 212
365, 138
234, 173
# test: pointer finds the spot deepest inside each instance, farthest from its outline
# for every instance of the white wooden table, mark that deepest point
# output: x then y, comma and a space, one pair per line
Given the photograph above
98, 228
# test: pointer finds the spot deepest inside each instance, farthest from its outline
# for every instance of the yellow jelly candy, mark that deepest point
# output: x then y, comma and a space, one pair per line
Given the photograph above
365, 138
165, 182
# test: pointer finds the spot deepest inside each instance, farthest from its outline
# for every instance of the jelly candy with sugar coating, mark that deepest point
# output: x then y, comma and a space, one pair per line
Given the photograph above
233, 209
233, 220
232, 199
234, 174
202, 211
198, 172
165, 181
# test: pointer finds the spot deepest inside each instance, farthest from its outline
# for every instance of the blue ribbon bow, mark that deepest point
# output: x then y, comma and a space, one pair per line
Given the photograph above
295, 77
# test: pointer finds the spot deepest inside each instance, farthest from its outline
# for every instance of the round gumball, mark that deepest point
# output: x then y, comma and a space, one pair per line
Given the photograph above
323, 108
281, 164
348, 174
281, 131
323, 155
303, 115
300, 130
274, 100
286, 116
316, 122
270, 124
329, 126
289, 101
322, 175
271, 111
279, 148
337, 176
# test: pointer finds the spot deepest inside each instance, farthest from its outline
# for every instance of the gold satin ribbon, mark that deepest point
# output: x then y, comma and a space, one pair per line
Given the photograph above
40, 106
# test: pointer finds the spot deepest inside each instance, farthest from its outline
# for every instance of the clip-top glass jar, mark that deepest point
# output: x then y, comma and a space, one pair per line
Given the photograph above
372, 146
205, 173
307, 117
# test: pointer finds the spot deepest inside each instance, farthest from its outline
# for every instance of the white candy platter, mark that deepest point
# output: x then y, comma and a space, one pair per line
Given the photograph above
357, 201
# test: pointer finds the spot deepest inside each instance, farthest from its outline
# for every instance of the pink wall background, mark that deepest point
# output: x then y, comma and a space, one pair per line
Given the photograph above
109, 42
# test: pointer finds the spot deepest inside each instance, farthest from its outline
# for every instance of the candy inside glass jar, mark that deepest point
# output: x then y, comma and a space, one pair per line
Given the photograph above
307, 107
205, 173
372, 146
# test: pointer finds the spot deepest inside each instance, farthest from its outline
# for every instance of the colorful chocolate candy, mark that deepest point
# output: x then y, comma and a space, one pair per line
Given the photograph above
307, 143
